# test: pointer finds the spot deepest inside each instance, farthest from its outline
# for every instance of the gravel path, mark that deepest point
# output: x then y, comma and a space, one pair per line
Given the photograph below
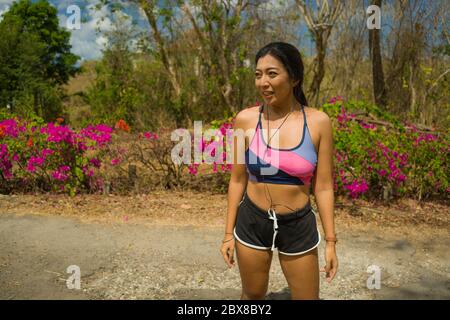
136, 261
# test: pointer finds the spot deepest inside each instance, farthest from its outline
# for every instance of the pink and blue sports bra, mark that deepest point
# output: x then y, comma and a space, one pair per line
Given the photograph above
294, 166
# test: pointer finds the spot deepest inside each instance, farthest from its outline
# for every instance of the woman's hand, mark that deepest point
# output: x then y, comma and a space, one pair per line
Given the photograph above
227, 250
331, 261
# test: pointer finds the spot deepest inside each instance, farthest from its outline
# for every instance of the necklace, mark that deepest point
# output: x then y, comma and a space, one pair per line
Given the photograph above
266, 188
268, 127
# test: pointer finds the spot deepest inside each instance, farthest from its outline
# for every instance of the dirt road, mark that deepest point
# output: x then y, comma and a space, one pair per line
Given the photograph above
131, 258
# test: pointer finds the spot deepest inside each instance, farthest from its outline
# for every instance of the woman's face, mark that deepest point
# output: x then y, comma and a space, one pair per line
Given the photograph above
273, 82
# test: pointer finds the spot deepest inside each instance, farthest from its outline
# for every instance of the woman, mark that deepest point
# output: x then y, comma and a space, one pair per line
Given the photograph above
268, 196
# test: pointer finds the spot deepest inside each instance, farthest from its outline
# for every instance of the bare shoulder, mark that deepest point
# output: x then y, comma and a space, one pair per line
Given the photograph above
318, 120
317, 116
247, 117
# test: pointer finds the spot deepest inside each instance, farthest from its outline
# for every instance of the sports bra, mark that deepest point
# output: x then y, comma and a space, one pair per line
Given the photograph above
294, 166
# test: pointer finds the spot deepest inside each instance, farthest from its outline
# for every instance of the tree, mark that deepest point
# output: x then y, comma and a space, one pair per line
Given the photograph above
35, 24
19, 63
346, 54
115, 94
320, 21
220, 40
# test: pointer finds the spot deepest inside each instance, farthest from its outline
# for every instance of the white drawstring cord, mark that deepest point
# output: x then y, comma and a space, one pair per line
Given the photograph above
273, 216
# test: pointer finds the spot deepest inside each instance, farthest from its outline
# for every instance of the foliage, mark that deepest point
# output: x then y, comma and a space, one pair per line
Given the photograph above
35, 59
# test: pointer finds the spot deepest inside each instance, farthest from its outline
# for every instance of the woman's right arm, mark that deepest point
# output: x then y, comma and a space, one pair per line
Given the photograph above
236, 189
239, 178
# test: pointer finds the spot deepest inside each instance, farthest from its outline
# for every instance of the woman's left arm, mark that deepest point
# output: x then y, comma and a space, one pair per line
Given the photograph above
323, 189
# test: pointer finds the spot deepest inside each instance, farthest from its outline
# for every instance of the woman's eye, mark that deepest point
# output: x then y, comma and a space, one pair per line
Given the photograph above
271, 74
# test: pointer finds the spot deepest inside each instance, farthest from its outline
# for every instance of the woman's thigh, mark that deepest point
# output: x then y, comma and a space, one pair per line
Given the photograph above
302, 274
254, 267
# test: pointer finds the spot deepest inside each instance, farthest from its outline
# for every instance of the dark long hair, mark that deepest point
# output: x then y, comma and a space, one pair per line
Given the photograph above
291, 58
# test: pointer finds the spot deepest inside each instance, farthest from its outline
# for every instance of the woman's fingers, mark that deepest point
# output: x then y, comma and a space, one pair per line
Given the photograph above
228, 255
332, 274
224, 254
231, 257
334, 269
326, 268
330, 270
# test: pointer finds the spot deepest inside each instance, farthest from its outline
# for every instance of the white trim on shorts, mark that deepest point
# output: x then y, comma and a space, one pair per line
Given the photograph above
285, 253
299, 253
248, 244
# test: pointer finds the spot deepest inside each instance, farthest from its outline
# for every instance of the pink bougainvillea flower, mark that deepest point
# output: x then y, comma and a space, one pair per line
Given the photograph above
58, 133
5, 163
100, 134
95, 162
58, 175
193, 169
9, 128
150, 136
357, 188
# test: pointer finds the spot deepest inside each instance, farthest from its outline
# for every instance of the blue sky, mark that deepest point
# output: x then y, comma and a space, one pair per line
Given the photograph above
87, 42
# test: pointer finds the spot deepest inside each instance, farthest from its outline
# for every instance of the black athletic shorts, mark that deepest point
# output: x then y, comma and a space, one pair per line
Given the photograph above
292, 233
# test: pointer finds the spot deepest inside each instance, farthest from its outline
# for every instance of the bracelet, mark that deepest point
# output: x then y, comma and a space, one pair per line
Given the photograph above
228, 232
331, 239
228, 240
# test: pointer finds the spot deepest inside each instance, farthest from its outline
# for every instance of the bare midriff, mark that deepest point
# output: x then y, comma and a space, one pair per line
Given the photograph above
285, 198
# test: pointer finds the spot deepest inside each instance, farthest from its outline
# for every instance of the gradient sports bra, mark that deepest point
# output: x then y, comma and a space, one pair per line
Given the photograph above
293, 166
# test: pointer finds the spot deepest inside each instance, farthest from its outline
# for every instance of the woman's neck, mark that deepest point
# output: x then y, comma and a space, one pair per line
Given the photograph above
283, 109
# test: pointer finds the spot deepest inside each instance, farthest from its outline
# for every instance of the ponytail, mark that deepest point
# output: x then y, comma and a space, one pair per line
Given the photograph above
300, 95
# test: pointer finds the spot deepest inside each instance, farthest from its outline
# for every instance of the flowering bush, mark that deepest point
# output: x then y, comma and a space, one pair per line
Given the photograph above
371, 158
374, 154
51, 156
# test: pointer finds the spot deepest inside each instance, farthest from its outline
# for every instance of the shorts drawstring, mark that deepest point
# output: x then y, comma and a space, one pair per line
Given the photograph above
273, 216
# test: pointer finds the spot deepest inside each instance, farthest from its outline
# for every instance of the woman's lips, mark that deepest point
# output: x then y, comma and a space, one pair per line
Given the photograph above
267, 94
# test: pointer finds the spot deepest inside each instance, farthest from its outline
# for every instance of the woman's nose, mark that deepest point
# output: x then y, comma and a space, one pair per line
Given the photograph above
264, 81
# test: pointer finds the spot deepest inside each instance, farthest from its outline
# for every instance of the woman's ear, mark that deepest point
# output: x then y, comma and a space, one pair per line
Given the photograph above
295, 83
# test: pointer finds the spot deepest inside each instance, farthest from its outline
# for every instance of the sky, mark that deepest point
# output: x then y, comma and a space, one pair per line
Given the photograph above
87, 42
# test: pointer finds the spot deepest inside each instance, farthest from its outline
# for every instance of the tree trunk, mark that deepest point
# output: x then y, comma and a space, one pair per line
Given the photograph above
318, 71
379, 89
320, 21
169, 64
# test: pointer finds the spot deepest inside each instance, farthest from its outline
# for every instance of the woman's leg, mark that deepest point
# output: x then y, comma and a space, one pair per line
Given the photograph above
254, 267
302, 274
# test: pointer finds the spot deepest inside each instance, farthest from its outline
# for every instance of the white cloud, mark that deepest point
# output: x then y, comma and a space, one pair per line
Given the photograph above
5, 2
2, 11
4, 7
101, 41
87, 42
